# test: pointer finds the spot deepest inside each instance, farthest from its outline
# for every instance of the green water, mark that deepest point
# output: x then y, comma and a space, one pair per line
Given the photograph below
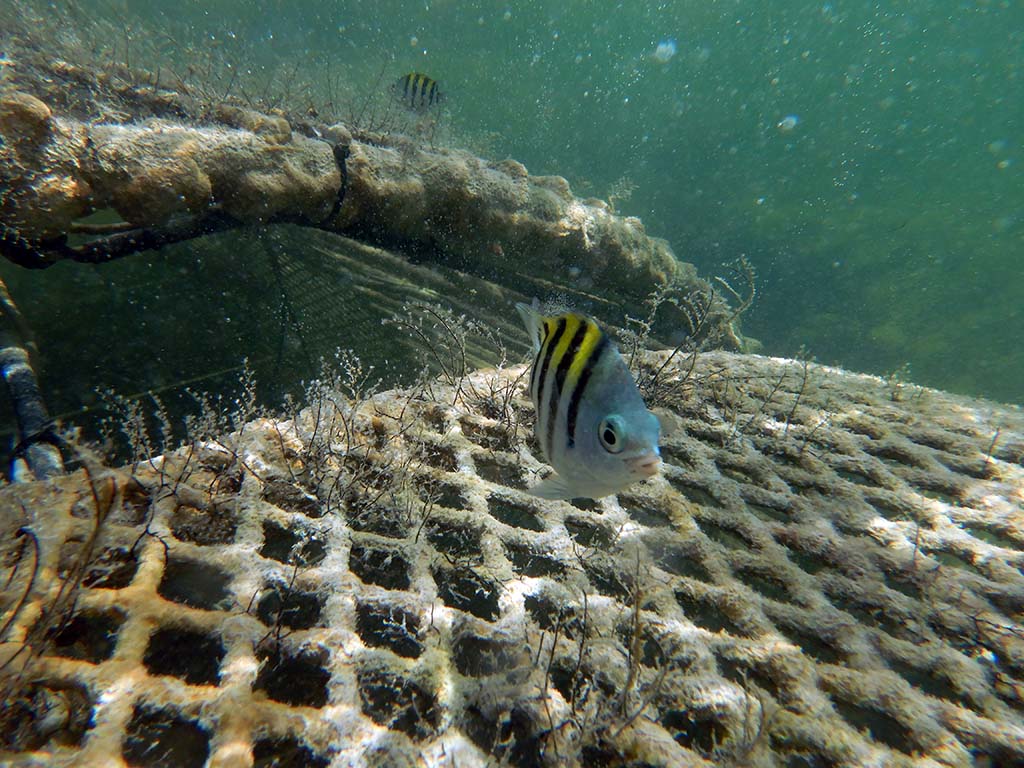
886, 226
867, 158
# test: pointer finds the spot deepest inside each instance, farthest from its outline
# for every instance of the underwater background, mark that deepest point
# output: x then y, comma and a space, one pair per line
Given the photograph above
866, 158
829, 570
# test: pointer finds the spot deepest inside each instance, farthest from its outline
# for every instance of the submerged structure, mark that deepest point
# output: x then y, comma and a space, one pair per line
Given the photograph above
829, 571
181, 170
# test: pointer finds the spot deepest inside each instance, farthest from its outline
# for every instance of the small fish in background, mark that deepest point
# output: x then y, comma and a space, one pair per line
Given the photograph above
592, 424
417, 91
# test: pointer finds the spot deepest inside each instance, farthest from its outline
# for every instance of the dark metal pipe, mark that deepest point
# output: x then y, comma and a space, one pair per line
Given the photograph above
37, 446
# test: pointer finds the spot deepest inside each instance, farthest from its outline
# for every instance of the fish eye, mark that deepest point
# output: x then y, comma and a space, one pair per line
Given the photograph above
610, 433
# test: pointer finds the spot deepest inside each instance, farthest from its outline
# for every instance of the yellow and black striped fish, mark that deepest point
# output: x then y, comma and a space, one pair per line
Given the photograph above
592, 424
417, 91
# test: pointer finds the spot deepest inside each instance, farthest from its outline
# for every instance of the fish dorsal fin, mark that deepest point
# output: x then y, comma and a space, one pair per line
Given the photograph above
533, 320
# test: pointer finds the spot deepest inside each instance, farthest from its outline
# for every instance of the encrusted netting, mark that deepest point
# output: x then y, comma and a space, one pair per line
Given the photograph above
829, 572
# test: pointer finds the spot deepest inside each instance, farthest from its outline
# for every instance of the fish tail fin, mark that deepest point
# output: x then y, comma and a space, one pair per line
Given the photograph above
533, 320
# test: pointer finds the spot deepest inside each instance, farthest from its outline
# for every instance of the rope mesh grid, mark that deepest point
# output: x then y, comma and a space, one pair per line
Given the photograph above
833, 579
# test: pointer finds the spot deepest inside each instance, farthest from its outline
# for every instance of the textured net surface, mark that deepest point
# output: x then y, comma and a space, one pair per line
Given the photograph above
300, 295
827, 573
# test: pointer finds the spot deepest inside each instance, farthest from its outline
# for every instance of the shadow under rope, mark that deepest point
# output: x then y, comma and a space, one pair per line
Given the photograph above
188, 318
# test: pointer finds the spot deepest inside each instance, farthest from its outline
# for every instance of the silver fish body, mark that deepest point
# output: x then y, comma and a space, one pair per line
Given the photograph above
592, 424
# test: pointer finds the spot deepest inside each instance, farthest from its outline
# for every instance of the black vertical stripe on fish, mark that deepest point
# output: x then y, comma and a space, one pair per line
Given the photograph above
581, 386
559, 383
553, 340
535, 373
410, 81
417, 91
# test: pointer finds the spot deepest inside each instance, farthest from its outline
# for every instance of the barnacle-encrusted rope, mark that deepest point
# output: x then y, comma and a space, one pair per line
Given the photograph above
32, 254
115, 246
40, 255
170, 180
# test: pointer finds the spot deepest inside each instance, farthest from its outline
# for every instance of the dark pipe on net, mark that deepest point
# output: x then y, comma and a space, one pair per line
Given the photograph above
37, 454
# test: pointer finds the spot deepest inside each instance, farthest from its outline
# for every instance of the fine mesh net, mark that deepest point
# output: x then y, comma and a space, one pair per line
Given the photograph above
278, 298
828, 572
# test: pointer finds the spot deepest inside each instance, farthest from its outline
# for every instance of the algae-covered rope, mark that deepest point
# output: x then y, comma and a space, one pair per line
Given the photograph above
32, 254
40, 255
115, 246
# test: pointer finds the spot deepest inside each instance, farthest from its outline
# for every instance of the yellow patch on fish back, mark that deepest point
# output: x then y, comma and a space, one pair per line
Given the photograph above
587, 347
572, 323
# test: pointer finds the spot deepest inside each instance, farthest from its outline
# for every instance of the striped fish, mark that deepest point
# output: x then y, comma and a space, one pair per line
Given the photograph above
592, 424
417, 91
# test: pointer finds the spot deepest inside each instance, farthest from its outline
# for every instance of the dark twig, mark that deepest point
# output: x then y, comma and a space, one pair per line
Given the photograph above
806, 361
29, 536
743, 270
737, 431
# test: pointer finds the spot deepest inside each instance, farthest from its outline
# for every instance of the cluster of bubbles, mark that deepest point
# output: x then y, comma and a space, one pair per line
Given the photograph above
665, 51
788, 123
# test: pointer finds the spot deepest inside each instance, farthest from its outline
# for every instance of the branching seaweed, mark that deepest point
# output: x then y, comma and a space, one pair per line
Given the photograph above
359, 456
620, 191
448, 341
898, 383
129, 417
738, 430
443, 336
824, 421
742, 273
668, 382
28, 541
805, 362
17, 683
27, 697
739, 747
991, 448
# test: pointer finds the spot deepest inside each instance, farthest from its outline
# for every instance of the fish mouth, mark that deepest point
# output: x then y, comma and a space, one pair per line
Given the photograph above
645, 466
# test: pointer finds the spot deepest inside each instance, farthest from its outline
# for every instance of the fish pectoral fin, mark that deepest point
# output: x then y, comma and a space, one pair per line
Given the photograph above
668, 422
553, 487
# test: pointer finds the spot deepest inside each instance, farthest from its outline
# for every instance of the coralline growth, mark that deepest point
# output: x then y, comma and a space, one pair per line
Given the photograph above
823, 575
176, 173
